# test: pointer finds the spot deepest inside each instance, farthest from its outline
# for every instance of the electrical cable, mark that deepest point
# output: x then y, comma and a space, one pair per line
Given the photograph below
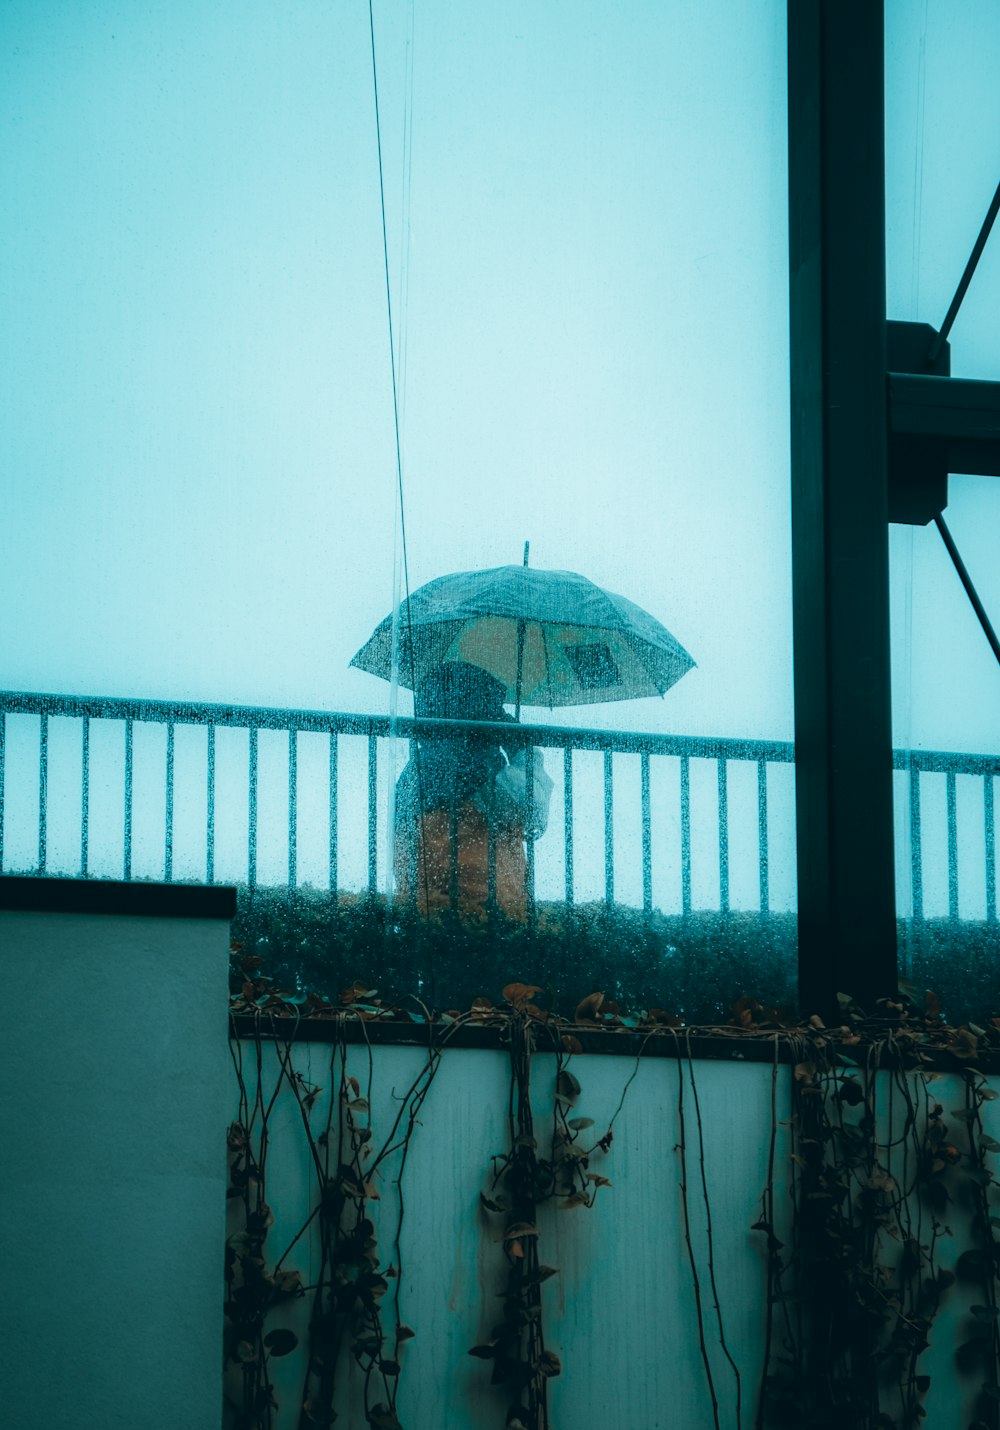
392, 349
399, 459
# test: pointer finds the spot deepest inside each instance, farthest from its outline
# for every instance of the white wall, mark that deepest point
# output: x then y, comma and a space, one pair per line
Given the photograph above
621, 1312
114, 1067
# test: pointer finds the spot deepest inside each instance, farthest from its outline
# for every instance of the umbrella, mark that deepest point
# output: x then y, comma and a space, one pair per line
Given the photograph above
552, 637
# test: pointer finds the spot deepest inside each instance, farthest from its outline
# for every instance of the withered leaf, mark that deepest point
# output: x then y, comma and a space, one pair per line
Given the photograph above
660, 1015
486, 1351
518, 994
567, 1086
542, 1274
518, 1230
548, 1364
281, 1342
571, 1044
380, 1417
588, 1008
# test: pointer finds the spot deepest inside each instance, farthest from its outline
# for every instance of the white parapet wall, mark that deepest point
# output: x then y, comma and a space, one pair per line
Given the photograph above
116, 1083
622, 1311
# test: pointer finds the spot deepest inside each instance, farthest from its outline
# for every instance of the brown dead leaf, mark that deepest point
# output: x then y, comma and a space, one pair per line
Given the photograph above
660, 1015
573, 1045
237, 1135
588, 1008
518, 994
519, 1229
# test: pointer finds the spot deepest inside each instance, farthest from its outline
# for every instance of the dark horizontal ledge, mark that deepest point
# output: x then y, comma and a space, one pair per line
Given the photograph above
33, 893
764, 1046
959, 417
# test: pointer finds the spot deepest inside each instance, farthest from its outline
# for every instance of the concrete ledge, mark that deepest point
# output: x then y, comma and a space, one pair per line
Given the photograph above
31, 893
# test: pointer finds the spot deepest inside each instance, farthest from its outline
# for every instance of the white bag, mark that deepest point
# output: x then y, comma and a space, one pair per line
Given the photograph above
511, 792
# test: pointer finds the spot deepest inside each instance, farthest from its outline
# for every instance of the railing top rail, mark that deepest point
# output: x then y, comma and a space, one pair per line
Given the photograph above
337, 722
546, 736
946, 762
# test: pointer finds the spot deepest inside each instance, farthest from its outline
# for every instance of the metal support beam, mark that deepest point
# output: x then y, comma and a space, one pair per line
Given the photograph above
958, 418
847, 932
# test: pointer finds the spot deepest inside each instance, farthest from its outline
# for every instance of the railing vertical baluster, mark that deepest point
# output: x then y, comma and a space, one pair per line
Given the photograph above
609, 831
168, 849
84, 797
989, 832
210, 808
293, 778
723, 836
452, 855
252, 812
529, 790
333, 813
685, 835
43, 790
568, 819
3, 774
762, 846
952, 802
647, 836
372, 813
916, 858
128, 799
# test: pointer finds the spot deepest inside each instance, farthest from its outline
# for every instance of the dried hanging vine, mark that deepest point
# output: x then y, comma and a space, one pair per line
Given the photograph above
352, 1282
850, 1301
521, 1181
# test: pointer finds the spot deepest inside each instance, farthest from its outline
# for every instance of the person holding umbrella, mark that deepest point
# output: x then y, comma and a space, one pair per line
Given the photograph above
461, 803
468, 642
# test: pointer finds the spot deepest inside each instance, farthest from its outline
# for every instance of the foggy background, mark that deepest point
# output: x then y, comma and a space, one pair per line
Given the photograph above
587, 232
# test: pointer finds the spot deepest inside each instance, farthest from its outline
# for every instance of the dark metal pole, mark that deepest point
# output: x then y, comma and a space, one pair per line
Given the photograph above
840, 577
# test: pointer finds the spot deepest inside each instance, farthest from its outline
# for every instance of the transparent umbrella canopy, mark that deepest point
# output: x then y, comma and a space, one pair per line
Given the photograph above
552, 637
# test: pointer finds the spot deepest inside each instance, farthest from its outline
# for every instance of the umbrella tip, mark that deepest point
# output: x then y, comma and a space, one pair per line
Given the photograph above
526, 546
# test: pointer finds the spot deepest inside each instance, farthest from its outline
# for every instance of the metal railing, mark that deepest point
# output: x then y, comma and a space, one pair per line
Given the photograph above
754, 762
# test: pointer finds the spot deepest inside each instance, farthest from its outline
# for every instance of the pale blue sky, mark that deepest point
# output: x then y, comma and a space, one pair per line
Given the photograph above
587, 224
196, 406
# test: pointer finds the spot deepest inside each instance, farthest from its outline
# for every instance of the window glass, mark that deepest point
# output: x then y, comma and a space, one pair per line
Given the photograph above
942, 169
585, 228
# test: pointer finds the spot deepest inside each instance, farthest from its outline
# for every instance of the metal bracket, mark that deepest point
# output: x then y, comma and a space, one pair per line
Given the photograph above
918, 481
936, 424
